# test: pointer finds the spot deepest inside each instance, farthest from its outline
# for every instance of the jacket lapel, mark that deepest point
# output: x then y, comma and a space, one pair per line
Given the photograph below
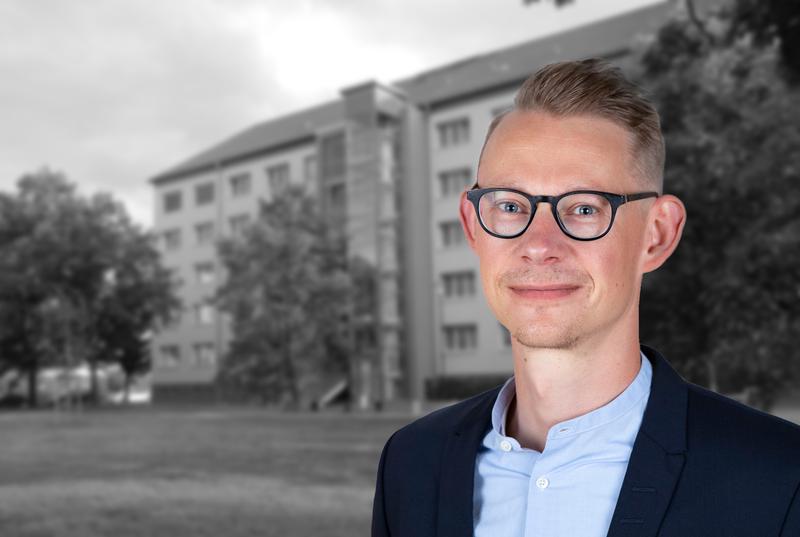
456, 481
657, 457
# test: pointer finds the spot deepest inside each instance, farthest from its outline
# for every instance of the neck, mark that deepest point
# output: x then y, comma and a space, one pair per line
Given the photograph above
554, 385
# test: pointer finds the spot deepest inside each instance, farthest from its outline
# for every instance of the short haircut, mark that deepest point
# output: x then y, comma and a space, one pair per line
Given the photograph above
594, 87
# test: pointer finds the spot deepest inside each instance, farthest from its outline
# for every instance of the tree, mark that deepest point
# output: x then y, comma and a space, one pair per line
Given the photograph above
727, 300
139, 297
66, 264
37, 321
768, 22
288, 293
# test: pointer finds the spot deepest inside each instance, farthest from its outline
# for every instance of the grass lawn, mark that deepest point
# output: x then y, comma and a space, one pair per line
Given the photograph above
212, 472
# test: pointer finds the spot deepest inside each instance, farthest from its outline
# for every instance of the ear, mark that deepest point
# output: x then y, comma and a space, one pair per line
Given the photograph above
469, 220
666, 219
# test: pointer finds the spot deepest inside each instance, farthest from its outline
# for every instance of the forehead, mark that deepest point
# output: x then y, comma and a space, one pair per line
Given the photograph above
542, 153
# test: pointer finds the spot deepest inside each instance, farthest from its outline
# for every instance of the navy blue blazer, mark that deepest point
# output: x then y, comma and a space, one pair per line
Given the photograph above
702, 465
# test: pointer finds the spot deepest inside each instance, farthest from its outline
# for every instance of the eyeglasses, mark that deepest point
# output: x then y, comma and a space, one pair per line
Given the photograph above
583, 215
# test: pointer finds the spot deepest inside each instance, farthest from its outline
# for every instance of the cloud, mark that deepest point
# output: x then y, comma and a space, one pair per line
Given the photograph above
112, 92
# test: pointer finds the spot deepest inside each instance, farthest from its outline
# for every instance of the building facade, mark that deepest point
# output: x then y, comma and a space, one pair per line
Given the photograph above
390, 162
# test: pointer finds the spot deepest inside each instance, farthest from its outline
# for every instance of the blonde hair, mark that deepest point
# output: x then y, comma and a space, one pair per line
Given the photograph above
594, 87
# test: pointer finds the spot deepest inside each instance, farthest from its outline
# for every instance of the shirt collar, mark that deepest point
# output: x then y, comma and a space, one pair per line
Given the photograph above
617, 407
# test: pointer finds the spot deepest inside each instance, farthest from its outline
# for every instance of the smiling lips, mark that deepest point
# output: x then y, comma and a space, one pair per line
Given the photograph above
545, 292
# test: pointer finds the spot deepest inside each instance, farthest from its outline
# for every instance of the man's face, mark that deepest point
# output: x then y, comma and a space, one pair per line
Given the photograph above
596, 282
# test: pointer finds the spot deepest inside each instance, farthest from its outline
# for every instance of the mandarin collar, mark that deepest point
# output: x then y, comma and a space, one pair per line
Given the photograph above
617, 407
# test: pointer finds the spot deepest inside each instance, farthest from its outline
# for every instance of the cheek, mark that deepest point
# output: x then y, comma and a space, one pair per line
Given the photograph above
487, 272
490, 265
614, 272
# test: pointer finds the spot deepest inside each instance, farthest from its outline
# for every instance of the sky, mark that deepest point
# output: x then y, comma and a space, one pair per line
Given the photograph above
112, 92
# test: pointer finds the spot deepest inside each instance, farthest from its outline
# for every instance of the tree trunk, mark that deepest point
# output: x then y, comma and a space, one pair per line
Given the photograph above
126, 397
33, 385
94, 394
291, 374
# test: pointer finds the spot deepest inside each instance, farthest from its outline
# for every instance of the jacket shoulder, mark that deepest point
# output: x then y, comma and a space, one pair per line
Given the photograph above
444, 421
729, 427
407, 487
425, 437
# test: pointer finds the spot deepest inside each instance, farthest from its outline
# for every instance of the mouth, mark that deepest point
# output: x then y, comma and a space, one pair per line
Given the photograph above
544, 292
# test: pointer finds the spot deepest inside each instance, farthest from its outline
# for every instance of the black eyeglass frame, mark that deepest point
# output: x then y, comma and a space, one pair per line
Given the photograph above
615, 200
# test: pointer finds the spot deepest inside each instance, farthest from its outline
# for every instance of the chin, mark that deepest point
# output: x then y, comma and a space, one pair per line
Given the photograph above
544, 338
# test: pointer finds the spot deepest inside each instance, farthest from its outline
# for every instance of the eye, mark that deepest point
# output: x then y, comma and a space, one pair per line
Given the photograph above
585, 210
509, 207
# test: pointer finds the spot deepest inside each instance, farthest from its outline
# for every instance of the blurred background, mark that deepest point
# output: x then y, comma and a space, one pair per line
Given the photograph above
230, 259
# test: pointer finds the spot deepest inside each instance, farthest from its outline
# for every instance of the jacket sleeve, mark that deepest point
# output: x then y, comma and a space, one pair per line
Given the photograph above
380, 525
791, 525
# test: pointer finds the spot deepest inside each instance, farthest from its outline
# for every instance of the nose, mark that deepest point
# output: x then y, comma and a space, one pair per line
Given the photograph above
543, 241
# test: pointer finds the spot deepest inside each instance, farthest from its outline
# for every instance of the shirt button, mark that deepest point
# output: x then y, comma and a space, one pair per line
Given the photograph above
505, 445
542, 483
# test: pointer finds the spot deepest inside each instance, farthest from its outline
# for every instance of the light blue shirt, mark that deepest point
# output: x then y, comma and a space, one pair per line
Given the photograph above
571, 488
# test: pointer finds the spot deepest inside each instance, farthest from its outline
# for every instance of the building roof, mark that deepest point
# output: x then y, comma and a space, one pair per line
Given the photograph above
610, 37
606, 38
265, 136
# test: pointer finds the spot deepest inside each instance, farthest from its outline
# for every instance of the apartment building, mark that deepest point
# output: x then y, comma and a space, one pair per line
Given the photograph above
391, 161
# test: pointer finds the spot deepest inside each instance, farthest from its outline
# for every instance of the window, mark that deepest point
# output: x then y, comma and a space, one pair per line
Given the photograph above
455, 132
172, 239
204, 232
203, 313
332, 151
460, 336
205, 354
452, 182
365, 337
239, 224
240, 185
204, 272
204, 194
310, 170
169, 355
278, 178
452, 235
336, 197
172, 201
505, 336
459, 283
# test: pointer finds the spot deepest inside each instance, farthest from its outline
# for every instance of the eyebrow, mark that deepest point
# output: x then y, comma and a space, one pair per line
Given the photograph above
570, 188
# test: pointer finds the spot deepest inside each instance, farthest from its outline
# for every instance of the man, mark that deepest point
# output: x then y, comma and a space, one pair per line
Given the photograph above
594, 434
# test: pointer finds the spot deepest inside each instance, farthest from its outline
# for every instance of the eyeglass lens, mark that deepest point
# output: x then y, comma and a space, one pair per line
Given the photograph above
584, 216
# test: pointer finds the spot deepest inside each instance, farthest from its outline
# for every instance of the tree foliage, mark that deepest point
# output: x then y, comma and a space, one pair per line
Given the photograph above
140, 298
726, 304
79, 282
289, 296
